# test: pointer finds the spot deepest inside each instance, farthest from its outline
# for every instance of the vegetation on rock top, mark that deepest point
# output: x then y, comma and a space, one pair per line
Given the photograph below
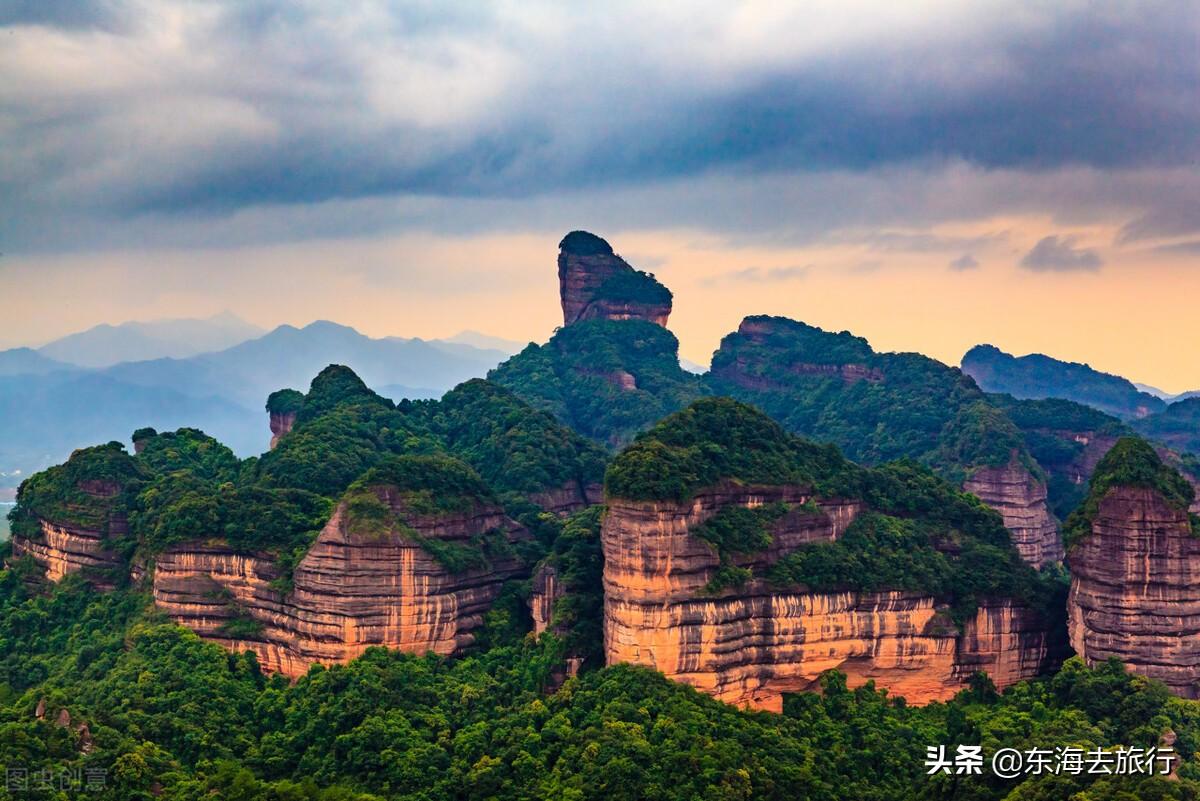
890, 406
923, 533
1131, 462
285, 401
633, 286
577, 377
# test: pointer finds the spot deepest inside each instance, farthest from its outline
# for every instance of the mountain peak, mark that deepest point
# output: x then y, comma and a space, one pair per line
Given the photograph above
585, 243
595, 283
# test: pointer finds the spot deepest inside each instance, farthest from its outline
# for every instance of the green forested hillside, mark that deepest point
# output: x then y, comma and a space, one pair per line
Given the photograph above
185, 485
1037, 376
170, 717
1177, 426
921, 534
607, 379
876, 407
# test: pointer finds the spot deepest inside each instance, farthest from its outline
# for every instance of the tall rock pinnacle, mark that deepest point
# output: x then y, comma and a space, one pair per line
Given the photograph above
595, 283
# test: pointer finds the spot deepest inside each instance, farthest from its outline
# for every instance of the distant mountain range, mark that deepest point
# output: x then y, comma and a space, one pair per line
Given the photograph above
48, 406
1037, 376
1167, 396
1170, 419
106, 345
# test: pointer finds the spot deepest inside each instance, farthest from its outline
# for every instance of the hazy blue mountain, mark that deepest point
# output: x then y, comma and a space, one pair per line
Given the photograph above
475, 339
1038, 376
106, 345
44, 418
25, 361
1167, 396
1178, 425
47, 412
290, 357
1162, 394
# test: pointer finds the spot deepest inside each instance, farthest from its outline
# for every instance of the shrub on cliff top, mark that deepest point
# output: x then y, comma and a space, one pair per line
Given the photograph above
333, 386
430, 484
192, 450
84, 492
285, 401
1132, 462
575, 377
584, 243
633, 286
719, 439
513, 446
889, 406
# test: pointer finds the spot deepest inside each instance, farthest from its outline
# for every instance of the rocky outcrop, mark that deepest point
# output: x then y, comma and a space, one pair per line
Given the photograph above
1135, 589
570, 497
1020, 498
281, 424
595, 283
546, 590
61, 550
751, 644
354, 589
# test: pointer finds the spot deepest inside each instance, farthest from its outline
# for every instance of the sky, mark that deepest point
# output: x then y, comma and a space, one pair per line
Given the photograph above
930, 175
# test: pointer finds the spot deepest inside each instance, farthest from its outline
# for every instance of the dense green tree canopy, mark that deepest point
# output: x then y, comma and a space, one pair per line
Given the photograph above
607, 379
887, 406
1132, 462
171, 717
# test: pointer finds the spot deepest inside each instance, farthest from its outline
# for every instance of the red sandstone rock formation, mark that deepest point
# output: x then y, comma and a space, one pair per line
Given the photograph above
281, 423
62, 550
353, 589
586, 263
547, 589
1135, 589
752, 644
570, 497
1020, 498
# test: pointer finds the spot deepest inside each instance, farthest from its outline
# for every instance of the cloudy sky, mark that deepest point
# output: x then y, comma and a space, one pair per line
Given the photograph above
927, 174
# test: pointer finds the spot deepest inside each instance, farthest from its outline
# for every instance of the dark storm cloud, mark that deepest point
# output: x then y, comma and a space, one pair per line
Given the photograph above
1104, 92
1054, 254
268, 103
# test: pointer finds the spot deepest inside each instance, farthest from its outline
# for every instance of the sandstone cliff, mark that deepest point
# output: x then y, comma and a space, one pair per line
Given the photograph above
62, 549
281, 424
881, 406
749, 645
596, 283
356, 587
570, 497
1020, 498
1135, 589
69, 517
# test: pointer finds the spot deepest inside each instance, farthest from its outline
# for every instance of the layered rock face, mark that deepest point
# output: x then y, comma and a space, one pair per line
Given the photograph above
1135, 589
596, 283
353, 589
570, 497
62, 550
1020, 498
281, 424
547, 589
752, 644
774, 359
